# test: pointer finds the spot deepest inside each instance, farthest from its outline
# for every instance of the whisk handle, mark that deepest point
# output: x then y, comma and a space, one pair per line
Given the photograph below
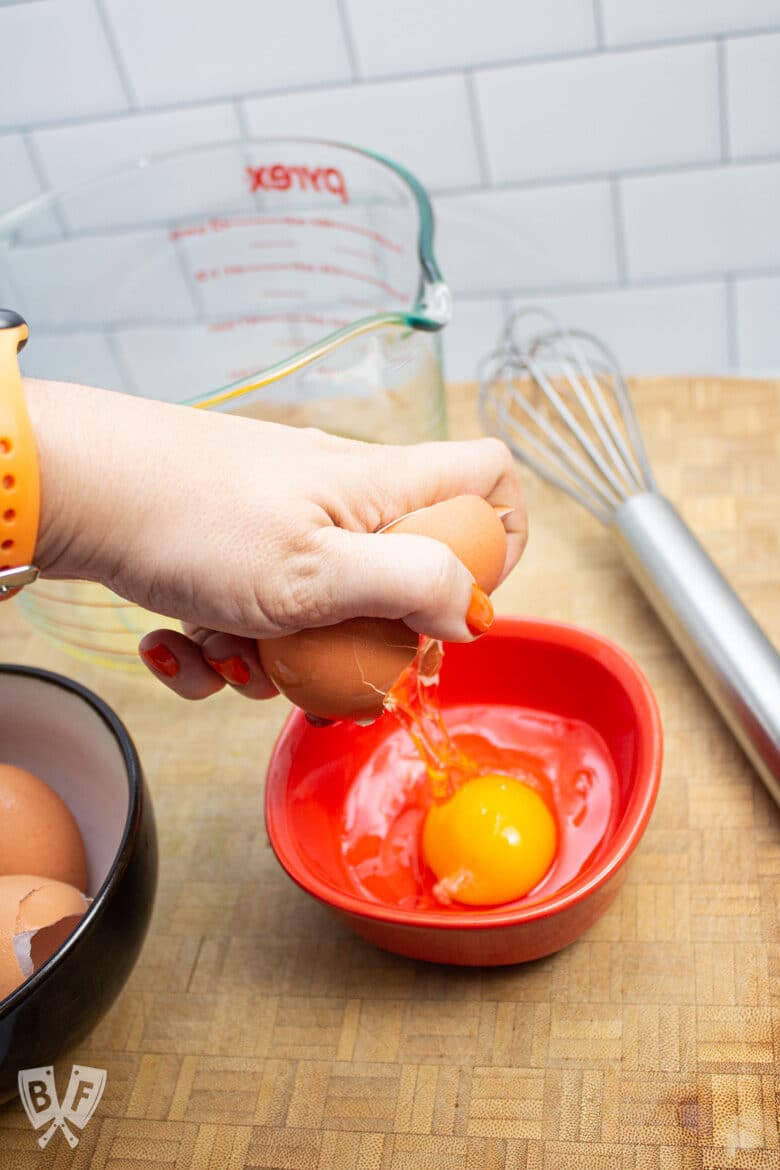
734, 660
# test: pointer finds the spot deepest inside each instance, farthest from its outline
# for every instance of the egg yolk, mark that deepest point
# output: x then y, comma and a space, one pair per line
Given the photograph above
491, 842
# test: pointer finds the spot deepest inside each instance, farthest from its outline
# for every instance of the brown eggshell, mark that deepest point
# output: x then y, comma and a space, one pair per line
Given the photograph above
38, 832
470, 526
36, 916
342, 671
345, 671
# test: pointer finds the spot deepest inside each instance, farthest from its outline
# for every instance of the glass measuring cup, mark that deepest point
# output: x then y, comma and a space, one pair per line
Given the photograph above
285, 279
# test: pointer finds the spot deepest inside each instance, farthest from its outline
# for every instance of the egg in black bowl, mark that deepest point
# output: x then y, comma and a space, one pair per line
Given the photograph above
67, 736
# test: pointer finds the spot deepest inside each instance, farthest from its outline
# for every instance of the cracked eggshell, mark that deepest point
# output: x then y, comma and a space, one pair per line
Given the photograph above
470, 526
342, 671
36, 916
345, 671
38, 832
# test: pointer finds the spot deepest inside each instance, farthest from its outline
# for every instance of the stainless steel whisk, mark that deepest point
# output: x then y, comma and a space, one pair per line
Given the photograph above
559, 400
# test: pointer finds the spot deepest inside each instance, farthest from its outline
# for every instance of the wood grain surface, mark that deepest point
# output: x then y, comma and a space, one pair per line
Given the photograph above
257, 1032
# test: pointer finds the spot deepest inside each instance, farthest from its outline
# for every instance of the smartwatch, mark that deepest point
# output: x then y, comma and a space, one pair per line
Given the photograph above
20, 492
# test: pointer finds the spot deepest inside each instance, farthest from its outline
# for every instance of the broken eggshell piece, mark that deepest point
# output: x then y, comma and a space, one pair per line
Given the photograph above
36, 916
345, 671
342, 671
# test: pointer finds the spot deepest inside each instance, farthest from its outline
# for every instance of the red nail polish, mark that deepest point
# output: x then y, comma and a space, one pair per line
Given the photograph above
233, 669
480, 614
161, 660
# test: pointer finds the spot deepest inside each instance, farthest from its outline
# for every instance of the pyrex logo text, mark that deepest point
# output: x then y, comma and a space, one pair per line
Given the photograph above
279, 177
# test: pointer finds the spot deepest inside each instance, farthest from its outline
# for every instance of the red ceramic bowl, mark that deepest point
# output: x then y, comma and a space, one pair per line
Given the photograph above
546, 666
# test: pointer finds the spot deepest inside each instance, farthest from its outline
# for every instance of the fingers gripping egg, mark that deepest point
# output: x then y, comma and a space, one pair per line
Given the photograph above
491, 842
469, 526
36, 916
346, 670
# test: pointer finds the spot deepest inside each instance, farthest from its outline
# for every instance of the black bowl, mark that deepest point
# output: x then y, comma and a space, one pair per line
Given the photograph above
71, 739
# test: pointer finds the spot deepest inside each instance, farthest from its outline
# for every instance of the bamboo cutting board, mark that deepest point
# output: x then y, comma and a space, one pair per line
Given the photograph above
257, 1032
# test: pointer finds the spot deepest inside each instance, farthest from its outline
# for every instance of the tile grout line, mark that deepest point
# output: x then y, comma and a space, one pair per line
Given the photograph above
380, 79
477, 128
732, 317
507, 309
350, 42
582, 178
113, 48
598, 24
576, 178
242, 119
37, 164
668, 281
112, 341
723, 100
619, 229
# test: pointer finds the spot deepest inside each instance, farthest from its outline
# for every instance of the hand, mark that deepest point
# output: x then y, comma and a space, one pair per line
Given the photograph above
243, 529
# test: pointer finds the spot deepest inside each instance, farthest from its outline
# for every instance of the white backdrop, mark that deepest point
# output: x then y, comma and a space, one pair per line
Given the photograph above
618, 160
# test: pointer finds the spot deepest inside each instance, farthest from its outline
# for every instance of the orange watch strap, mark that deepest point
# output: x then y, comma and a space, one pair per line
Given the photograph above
20, 494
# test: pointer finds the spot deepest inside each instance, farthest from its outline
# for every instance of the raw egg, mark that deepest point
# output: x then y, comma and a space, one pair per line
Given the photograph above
345, 671
36, 916
38, 832
491, 842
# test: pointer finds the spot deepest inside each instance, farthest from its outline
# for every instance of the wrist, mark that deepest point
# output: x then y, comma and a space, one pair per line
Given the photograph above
74, 514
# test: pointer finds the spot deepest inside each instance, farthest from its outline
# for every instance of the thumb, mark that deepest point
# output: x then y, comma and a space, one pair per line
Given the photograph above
414, 578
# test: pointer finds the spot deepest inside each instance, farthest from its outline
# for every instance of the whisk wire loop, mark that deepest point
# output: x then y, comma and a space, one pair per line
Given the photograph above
589, 446
569, 463
584, 436
609, 433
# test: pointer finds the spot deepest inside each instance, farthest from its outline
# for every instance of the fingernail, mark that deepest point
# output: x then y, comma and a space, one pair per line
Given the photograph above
480, 614
233, 669
161, 660
513, 519
317, 720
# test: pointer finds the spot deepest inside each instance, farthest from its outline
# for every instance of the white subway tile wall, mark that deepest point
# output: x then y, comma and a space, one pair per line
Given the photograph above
753, 66
72, 154
629, 21
720, 219
191, 50
654, 329
18, 181
600, 114
56, 64
89, 352
758, 314
615, 160
424, 123
532, 239
407, 36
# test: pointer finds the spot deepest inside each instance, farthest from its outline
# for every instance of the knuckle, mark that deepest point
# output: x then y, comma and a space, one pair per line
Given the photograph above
498, 451
304, 595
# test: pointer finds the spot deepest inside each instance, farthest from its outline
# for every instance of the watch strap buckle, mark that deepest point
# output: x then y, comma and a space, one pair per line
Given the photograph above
17, 578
